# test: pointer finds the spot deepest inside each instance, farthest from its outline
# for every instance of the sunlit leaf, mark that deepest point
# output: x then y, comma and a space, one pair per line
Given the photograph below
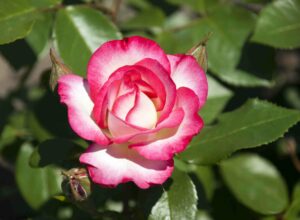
256, 183
40, 34
278, 24
177, 202
241, 78
224, 46
16, 19
79, 31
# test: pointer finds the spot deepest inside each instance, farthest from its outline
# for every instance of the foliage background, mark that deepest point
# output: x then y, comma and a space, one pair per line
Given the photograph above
252, 53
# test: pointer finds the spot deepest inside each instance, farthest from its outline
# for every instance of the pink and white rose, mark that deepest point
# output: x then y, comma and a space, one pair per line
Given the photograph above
138, 107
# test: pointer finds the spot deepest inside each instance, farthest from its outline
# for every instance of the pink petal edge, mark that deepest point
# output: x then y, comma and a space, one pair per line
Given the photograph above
117, 53
164, 149
118, 164
186, 72
74, 92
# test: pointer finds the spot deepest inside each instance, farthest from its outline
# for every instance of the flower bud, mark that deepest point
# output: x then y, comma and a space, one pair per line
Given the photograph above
200, 53
58, 69
76, 184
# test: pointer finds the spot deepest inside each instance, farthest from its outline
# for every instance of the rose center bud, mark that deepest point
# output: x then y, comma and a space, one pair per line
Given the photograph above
133, 104
143, 113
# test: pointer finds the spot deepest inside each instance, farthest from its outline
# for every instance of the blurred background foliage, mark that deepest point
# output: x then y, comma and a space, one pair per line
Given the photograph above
253, 52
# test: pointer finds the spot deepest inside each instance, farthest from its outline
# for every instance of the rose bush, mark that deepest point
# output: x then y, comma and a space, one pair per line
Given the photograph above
138, 107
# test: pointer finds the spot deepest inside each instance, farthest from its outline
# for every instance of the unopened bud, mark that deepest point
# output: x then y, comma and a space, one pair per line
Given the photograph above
200, 53
76, 184
58, 69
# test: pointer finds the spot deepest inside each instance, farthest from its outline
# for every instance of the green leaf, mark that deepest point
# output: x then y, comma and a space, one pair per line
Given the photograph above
13, 130
256, 183
257, 1
254, 124
225, 45
81, 30
217, 98
293, 212
45, 3
296, 191
40, 34
205, 178
279, 24
16, 19
201, 6
148, 18
7, 136
241, 78
47, 152
177, 202
141, 4
203, 215
37, 186
269, 218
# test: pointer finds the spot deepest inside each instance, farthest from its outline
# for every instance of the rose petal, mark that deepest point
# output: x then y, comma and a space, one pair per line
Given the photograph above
169, 85
164, 149
124, 103
117, 53
143, 114
74, 92
146, 88
120, 128
118, 164
186, 72
106, 98
163, 129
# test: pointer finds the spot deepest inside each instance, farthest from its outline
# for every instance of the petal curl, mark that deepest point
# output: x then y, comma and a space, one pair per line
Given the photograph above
118, 164
159, 81
117, 53
125, 132
74, 92
124, 103
186, 72
164, 149
169, 85
120, 128
143, 114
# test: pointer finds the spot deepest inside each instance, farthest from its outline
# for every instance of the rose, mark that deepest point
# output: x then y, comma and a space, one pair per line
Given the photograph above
138, 106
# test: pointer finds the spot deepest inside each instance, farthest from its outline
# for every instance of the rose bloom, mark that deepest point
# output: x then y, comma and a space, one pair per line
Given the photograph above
138, 106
